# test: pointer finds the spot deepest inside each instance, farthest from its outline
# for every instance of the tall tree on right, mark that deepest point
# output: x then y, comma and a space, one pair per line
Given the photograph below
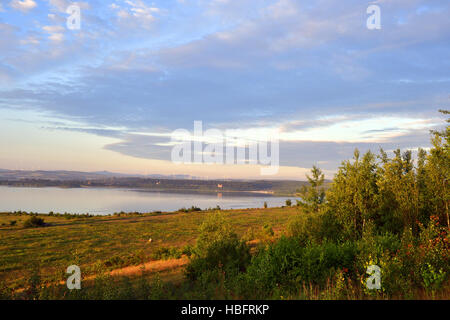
438, 172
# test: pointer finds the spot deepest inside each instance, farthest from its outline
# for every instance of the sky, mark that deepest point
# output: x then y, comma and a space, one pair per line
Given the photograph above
109, 95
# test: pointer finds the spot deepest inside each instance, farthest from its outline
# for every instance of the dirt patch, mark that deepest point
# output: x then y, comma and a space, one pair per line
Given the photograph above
152, 266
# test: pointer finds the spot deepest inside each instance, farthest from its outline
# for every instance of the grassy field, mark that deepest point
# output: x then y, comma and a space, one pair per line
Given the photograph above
111, 242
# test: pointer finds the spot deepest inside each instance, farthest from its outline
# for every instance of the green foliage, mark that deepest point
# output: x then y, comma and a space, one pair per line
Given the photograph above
218, 249
288, 263
191, 209
432, 278
119, 261
34, 222
165, 253
394, 194
312, 196
315, 228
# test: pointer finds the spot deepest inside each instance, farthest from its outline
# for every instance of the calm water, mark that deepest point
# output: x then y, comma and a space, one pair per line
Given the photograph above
104, 201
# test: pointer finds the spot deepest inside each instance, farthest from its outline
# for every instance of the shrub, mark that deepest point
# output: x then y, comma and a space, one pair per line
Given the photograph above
217, 250
315, 227
34, 222
267, 233
287, 263
187, 250
229, 256
191, 209
165, 253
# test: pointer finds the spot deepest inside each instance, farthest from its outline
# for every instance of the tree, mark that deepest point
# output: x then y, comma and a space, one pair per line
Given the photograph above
353, 194
399, 192
312, 196
438, 172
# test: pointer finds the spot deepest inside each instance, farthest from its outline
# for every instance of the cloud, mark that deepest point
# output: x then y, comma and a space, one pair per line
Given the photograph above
132, 14
53, 29
310, 68
24, 6
30, 40
56, 33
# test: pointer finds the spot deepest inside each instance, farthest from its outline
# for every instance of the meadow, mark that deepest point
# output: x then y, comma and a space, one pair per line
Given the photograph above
110, 242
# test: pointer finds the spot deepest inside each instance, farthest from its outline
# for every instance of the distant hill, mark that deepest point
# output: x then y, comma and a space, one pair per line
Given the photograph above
172, 183
64, 175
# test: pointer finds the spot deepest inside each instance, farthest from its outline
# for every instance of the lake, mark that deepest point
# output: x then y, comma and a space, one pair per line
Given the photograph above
105, 200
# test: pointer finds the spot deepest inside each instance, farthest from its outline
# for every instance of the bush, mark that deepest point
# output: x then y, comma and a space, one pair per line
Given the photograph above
288, 264
34, 222
191, 209
187, 250
229, 256
165, 253
315, 227
217, 250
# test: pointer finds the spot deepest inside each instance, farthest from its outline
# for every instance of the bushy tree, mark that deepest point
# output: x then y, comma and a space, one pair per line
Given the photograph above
352, 196
218, 251
438, 173
399, 192
34, 222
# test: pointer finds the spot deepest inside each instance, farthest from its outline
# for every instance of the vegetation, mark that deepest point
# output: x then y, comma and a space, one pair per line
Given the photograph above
111, 242
389, 212
34, 222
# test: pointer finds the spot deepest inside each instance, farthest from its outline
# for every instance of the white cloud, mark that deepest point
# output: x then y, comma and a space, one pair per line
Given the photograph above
30, 40
136, 13
56, 33
57, 37
56, 18
376, 130
24, 5
53, 29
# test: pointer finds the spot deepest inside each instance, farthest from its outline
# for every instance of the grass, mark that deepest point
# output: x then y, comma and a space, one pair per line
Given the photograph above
110, 242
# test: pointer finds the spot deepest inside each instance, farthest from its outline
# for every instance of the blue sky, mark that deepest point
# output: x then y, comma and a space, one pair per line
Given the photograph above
108, 96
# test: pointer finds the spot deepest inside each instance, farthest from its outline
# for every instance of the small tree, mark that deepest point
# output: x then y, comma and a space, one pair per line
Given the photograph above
288, 202
352, 196
312, 196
